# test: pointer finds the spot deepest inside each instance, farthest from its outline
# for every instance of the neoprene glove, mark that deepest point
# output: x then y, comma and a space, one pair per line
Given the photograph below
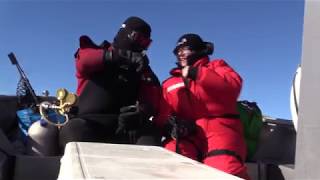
129, 119
177, 128
127, 59
139, 61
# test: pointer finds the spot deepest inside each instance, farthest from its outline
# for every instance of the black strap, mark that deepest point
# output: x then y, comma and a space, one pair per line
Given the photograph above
217, 152
200, 154
175, 123
230, 116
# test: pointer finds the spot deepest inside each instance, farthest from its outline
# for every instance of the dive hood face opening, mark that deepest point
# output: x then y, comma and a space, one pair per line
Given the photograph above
134, 35
139, 39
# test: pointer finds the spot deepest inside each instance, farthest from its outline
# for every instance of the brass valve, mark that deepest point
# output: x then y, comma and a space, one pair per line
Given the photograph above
66, 101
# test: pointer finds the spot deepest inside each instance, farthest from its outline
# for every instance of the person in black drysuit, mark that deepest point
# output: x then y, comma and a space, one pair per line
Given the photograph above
118, 92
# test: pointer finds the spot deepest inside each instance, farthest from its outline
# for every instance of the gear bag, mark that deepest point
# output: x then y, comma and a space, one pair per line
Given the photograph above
251, 117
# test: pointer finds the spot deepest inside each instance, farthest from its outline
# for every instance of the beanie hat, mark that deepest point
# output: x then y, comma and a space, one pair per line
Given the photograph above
133, 35
193, 41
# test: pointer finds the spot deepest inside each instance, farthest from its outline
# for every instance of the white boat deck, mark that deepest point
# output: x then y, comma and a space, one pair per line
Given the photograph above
97, 161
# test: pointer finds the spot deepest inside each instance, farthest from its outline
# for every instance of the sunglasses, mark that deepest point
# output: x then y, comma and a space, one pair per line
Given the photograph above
140, 39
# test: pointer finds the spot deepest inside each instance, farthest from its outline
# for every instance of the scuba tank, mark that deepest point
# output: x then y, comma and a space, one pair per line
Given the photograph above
42, 139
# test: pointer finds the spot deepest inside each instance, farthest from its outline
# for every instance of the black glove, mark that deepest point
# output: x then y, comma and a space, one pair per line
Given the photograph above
177, 128
139, 61
129, 119
127, 59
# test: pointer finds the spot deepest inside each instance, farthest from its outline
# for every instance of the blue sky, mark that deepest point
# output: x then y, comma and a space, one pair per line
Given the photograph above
261, 39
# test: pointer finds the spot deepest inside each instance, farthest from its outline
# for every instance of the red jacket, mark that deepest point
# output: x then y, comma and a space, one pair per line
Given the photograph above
214, 92
208, 97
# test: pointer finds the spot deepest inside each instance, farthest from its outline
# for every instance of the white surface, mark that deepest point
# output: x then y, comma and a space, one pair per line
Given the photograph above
99, 161
294, 97
307, 146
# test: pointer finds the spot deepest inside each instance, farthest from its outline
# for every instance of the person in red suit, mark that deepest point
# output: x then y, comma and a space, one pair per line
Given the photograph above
117, 89
198, 113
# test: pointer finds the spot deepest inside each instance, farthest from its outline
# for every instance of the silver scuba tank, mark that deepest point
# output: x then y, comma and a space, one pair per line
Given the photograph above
42, 139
